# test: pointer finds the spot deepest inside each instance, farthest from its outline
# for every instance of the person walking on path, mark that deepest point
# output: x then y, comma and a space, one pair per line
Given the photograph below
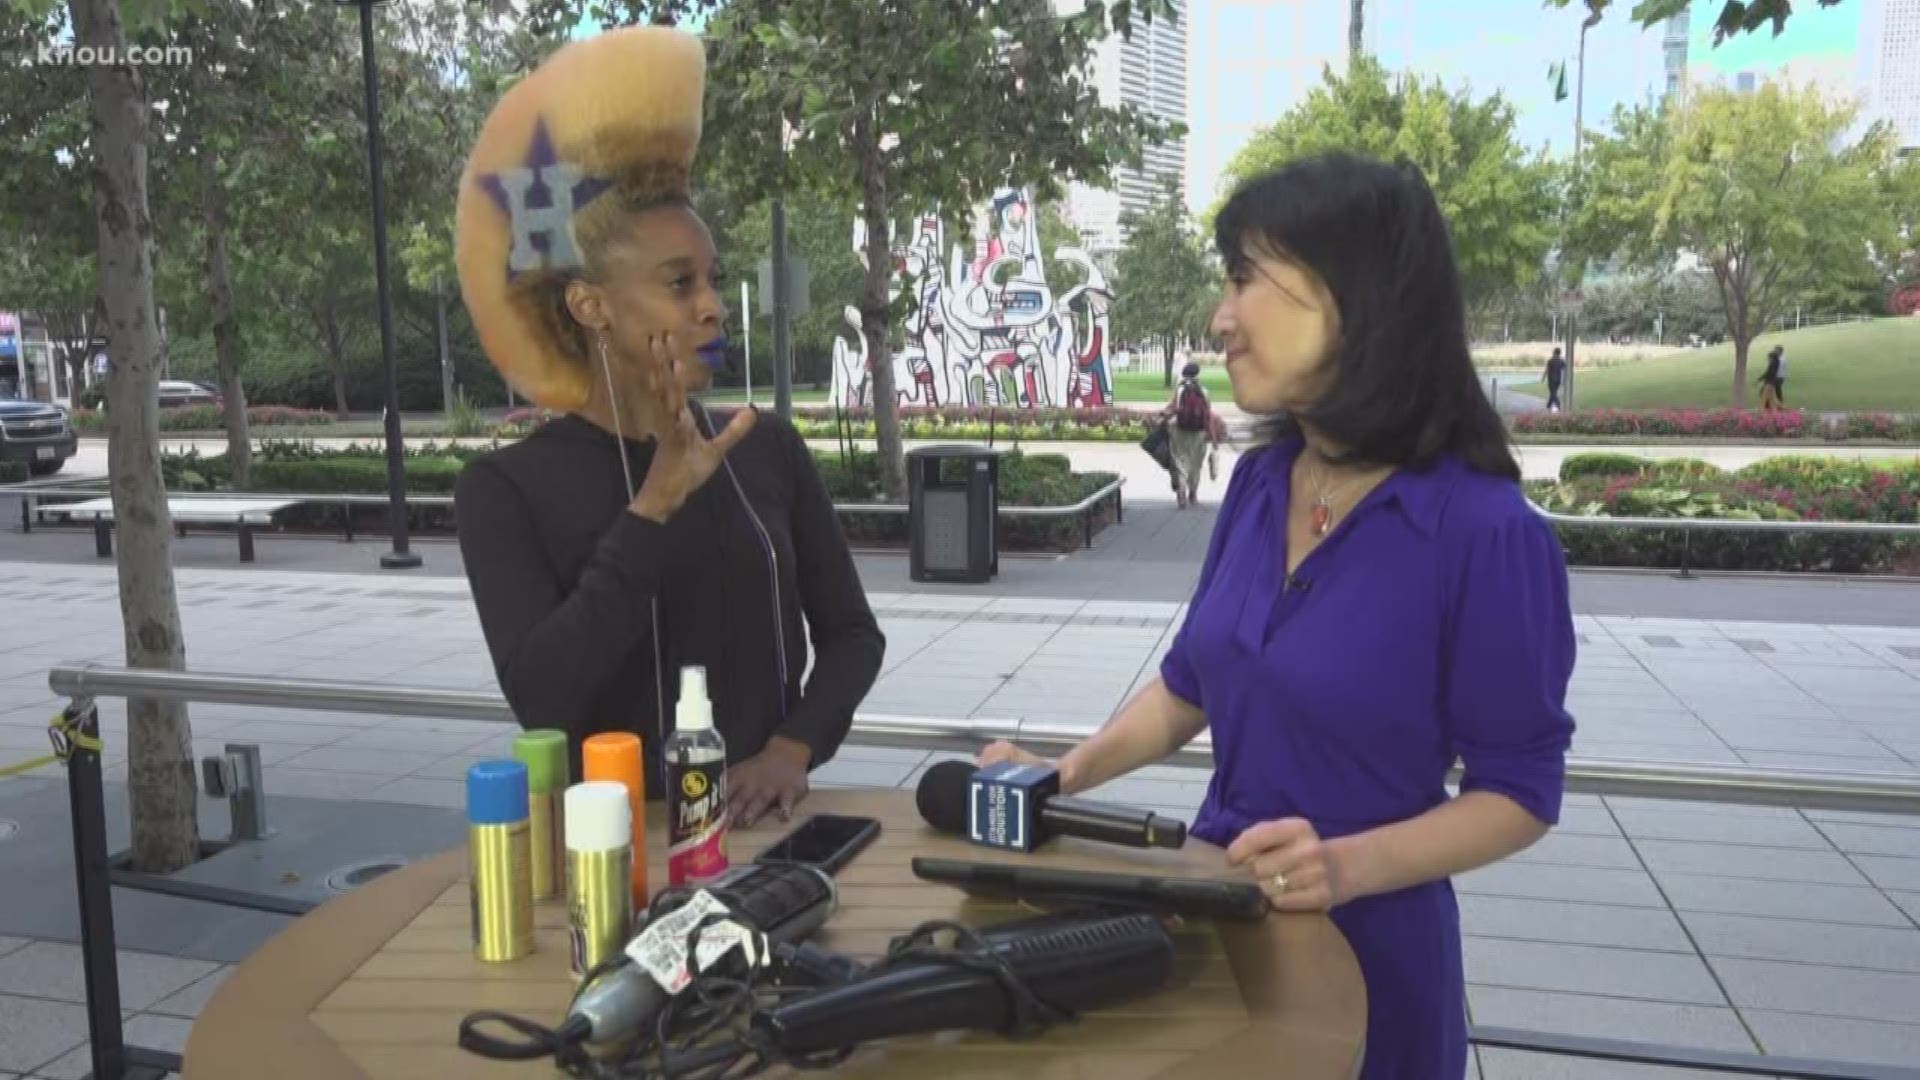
1192, 435
1556, 371
1773, 381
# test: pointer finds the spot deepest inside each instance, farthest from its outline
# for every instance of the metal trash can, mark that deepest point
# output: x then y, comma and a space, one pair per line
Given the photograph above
953, 502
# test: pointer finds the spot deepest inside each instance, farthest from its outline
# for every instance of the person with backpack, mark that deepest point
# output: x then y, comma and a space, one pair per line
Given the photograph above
1192, 435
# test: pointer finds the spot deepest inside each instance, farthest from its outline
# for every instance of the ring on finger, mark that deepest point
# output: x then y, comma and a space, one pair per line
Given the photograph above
1279, 882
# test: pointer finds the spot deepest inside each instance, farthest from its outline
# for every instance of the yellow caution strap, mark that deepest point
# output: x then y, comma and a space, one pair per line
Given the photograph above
66, 736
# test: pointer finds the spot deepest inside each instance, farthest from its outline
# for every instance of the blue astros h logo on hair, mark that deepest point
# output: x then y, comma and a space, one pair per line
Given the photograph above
539, 197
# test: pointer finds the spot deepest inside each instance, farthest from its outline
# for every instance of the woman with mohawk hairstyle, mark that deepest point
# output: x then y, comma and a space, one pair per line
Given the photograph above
641, 532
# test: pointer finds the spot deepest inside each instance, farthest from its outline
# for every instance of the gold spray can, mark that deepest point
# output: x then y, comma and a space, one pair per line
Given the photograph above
599, 872
500, 848
544, 752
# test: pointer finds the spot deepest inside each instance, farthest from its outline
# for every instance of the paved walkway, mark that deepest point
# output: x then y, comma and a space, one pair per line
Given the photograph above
1709, 926
1145, 480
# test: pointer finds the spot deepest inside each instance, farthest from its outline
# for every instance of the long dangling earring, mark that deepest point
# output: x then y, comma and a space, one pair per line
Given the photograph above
613, 402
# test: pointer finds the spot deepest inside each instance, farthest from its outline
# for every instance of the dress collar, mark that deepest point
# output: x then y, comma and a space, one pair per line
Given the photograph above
1421, 495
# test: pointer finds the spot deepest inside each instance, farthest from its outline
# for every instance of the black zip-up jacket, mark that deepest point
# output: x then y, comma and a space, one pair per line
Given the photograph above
567, 580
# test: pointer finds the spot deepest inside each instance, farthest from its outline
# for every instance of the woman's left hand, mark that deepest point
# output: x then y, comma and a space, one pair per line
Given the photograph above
1293, 865
773, 779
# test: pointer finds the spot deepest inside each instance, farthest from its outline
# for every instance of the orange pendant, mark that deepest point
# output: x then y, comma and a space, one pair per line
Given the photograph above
1319, 519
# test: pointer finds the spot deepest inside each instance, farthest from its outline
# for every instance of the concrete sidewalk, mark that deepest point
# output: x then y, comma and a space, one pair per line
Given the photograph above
1146, 480
1701, 925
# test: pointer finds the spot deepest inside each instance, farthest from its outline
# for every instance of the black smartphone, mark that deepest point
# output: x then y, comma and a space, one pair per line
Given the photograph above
827, 841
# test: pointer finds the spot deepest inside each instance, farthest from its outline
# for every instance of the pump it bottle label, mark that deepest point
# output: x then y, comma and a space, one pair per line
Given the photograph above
697, 821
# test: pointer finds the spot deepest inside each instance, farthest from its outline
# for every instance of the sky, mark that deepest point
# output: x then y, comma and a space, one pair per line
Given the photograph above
1264, 54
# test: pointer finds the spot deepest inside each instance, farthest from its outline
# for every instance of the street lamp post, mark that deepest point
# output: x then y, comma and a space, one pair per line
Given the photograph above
400, 558
781, 293
1579, 136
1580, 94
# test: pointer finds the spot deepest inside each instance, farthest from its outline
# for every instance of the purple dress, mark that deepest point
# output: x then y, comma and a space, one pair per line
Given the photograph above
1431, 625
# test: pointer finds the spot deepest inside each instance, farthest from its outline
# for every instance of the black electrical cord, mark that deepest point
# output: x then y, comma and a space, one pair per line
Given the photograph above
708, 1031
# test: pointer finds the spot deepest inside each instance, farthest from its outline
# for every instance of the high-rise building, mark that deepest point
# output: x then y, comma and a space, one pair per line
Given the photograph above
1148, 71
1255, 60
1674, 45
1890, 65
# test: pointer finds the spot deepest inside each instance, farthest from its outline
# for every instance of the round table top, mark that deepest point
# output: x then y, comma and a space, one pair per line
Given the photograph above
372, 985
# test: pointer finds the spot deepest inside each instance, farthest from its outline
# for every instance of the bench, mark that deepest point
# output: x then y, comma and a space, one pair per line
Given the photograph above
243, 514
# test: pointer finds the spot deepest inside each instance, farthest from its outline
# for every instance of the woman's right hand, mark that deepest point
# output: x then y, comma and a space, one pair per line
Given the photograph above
1001, 750
683, 457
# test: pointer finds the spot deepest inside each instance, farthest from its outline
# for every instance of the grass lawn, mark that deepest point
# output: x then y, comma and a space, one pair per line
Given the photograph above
1149, 387
762, 396
1848, 366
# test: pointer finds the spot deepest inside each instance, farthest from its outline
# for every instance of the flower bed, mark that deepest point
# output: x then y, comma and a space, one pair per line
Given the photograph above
1718, 424
302, 467
1777, 489
206, 418
973, 424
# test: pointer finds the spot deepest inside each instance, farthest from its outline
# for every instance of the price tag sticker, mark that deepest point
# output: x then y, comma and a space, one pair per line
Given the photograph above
661, 949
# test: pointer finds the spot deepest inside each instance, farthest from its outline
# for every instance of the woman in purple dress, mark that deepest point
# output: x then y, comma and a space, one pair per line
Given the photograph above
1378, 601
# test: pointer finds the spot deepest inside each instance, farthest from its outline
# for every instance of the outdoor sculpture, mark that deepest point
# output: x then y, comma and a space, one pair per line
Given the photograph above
989, 331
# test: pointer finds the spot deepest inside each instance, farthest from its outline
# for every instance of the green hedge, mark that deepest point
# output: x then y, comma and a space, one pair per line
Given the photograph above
206, 418
974, 424
1777, 489
1579, 466
1603, 464
301, 467
1025, 480
356, 475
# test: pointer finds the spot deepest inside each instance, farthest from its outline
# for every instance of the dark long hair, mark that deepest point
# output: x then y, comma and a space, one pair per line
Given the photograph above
1404, 389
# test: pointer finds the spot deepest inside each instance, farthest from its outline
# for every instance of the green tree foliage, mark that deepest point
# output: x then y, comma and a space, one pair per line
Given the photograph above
903, 106
1735, 17
1500, 200
1760, 188
820, 231
1167, 284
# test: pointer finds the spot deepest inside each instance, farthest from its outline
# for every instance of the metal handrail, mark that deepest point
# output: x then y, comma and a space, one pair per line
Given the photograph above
1821, 789
1709, 524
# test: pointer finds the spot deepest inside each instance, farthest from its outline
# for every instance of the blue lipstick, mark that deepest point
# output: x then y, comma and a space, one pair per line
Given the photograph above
714, 353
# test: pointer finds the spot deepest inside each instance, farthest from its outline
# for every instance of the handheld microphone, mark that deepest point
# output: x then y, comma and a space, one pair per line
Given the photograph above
784, 901
1015, 806
1059, 967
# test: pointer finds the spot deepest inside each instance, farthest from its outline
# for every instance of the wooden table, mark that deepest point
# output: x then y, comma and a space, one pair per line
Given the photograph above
372, 985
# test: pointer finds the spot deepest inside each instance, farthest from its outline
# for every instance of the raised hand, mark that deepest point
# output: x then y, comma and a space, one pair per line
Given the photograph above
684, 459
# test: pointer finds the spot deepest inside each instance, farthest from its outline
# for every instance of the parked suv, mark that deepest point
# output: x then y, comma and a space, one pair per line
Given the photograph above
37, 434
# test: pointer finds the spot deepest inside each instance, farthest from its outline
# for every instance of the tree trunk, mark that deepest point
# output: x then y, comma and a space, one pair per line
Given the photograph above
1166, 353
1742, 341
1356, 30
160, 776
226, 324
336, 355
874, 294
